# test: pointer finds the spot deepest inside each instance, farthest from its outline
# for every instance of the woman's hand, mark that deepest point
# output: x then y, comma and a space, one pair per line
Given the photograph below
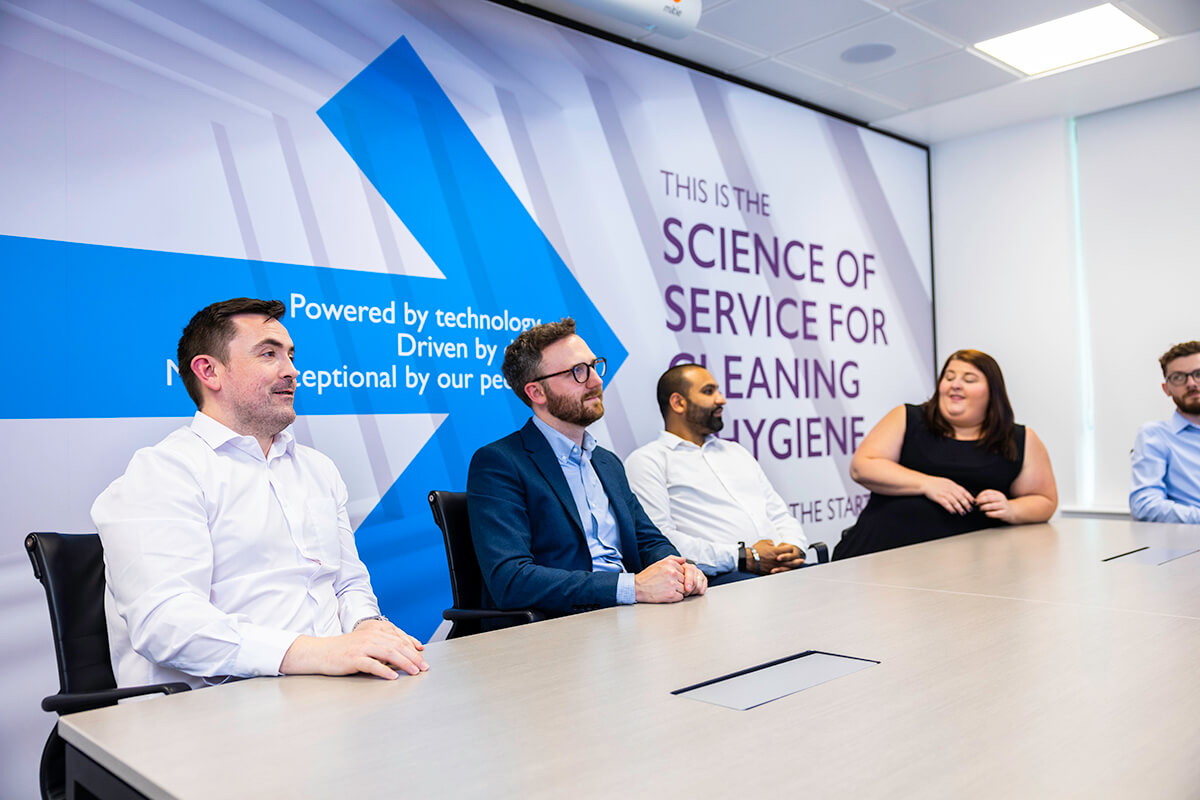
948, 494
995, 505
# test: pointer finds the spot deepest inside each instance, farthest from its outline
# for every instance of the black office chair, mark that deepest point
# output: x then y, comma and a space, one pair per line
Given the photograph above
466, 581
71, 569
822, 551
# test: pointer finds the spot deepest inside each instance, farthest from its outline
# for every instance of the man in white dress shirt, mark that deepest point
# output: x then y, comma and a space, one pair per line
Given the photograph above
708, 495
227, 547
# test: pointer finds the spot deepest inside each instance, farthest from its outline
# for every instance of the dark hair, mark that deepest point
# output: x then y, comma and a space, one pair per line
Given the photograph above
1178, 351
669, 383
996, 434
210, 332
523, 358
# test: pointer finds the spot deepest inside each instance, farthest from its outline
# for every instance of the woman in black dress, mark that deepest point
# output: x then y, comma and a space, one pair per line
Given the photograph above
954, 464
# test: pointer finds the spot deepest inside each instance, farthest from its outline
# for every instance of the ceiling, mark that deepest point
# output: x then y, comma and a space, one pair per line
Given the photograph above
935, 86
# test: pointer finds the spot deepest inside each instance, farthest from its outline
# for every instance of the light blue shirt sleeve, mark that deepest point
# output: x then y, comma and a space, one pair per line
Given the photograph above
1166, 472
626, 594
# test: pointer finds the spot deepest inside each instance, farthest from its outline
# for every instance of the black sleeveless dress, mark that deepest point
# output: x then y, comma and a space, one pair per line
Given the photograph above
895, 521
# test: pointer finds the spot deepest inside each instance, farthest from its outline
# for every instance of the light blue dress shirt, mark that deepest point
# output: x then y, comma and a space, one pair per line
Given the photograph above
1166, 471
599, 524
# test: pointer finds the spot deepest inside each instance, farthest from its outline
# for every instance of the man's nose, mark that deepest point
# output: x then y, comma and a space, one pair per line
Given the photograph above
289, 369
720, 399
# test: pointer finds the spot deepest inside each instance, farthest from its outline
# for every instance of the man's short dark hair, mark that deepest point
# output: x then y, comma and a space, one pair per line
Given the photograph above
210, 332
523, 358
670, 382
1178, 351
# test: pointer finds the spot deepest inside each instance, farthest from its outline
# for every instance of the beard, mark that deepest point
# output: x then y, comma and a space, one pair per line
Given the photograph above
1189, 403
266, 417
705, 419
573, 409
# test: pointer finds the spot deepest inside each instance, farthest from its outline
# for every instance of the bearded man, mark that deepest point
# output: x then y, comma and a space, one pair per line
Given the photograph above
1166, 455
554, 523
707, 494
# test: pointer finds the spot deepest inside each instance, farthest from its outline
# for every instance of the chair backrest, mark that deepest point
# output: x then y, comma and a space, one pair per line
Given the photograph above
71, 569
450, 514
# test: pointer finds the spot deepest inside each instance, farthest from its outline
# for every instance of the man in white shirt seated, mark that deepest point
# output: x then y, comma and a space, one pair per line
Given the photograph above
227, 547
708, 495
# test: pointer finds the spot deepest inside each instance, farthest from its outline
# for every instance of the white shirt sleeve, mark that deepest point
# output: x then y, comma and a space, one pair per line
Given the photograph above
356, 599
787, 527
159, 566
647, 472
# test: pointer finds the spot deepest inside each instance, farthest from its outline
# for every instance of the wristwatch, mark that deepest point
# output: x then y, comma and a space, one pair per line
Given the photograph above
364, 619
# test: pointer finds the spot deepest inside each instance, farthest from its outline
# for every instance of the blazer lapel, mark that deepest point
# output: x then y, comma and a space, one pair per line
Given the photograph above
543, 458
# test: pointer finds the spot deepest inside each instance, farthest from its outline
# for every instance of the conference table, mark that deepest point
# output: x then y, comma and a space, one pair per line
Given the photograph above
1032, 661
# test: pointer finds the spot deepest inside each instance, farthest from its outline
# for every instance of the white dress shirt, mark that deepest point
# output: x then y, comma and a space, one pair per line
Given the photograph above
706, 499
217, 557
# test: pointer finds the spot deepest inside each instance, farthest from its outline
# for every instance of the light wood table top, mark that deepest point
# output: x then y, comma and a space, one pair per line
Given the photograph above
1061, 562
1013, 663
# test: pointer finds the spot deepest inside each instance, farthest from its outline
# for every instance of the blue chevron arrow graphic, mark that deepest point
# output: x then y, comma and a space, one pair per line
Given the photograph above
412, 144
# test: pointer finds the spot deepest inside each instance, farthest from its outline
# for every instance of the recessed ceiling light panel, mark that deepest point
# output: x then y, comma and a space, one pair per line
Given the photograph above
1068, 40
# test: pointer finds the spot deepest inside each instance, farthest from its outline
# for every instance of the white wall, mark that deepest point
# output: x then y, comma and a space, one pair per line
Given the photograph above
1139, 182
1076, 314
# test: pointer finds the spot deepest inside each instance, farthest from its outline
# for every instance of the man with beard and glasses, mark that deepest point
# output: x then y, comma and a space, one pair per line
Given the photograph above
227, 548
1166, 455
554, 523
707, 494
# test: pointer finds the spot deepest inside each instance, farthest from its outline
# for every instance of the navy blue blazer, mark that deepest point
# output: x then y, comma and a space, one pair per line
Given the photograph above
527, 533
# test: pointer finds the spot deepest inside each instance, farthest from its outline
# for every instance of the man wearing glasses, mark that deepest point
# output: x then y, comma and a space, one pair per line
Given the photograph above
555, 525
1166, 456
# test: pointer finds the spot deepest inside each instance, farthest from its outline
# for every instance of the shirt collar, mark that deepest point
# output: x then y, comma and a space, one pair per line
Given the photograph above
564, 449
675, 442
1178, 422
215, 435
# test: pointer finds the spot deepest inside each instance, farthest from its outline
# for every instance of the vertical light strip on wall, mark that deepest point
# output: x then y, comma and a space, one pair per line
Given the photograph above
1085, 472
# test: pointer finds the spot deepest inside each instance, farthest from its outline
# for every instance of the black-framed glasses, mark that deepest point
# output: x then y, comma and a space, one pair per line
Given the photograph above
1175, 378
580, 371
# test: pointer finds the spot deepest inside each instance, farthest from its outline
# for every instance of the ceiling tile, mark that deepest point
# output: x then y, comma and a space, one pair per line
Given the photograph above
857, 105
787, 79
774, 25
912, 42
945, 78
976, 20
1171, 17
704, 49
1141, 74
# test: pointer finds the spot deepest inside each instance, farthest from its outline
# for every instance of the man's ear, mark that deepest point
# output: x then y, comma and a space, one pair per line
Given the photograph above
1166, 391
208, 371
535, 392
677, 403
